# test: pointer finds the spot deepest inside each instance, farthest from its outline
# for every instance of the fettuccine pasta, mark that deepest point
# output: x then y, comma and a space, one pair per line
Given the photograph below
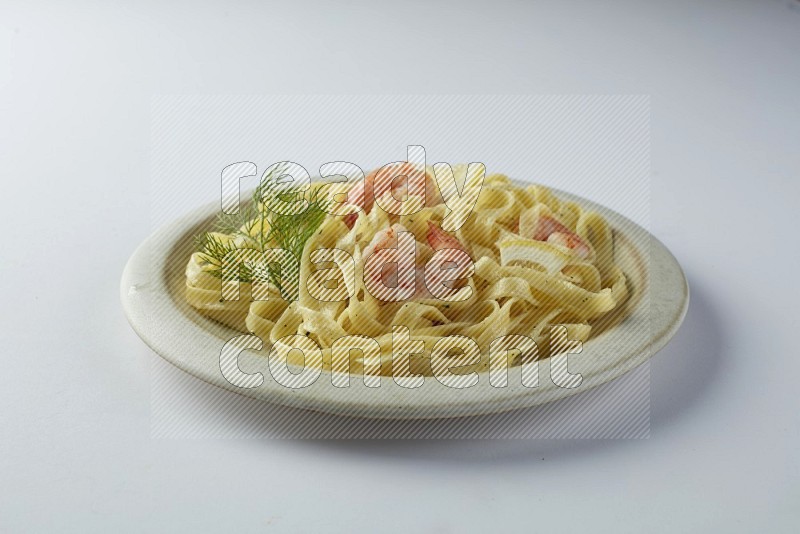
536, 261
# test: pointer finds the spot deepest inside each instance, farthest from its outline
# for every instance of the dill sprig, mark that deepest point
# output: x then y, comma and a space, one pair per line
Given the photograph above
213, 247
293, 230
241, 222
262, 224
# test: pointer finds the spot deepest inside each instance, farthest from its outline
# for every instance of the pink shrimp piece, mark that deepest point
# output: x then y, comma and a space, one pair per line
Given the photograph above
360, 195
388, 238
384, 239
570, 241
438, 239
357, 196
418, 183
545, 226
550, 230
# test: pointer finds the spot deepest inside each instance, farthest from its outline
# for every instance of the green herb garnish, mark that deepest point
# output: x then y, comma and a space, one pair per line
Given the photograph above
264, 223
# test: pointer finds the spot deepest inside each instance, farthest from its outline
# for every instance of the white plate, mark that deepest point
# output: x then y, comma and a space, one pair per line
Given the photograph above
152, 295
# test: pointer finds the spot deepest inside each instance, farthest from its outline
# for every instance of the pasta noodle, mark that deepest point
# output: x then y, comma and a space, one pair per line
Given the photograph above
536, 261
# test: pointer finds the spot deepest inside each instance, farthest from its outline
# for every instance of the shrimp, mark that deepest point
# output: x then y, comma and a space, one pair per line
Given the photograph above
418, 183
550, 230
438, 239
414, 283
391, 278
384, 239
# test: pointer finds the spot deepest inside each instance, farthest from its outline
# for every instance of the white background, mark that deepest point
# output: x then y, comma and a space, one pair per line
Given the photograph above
76, 453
